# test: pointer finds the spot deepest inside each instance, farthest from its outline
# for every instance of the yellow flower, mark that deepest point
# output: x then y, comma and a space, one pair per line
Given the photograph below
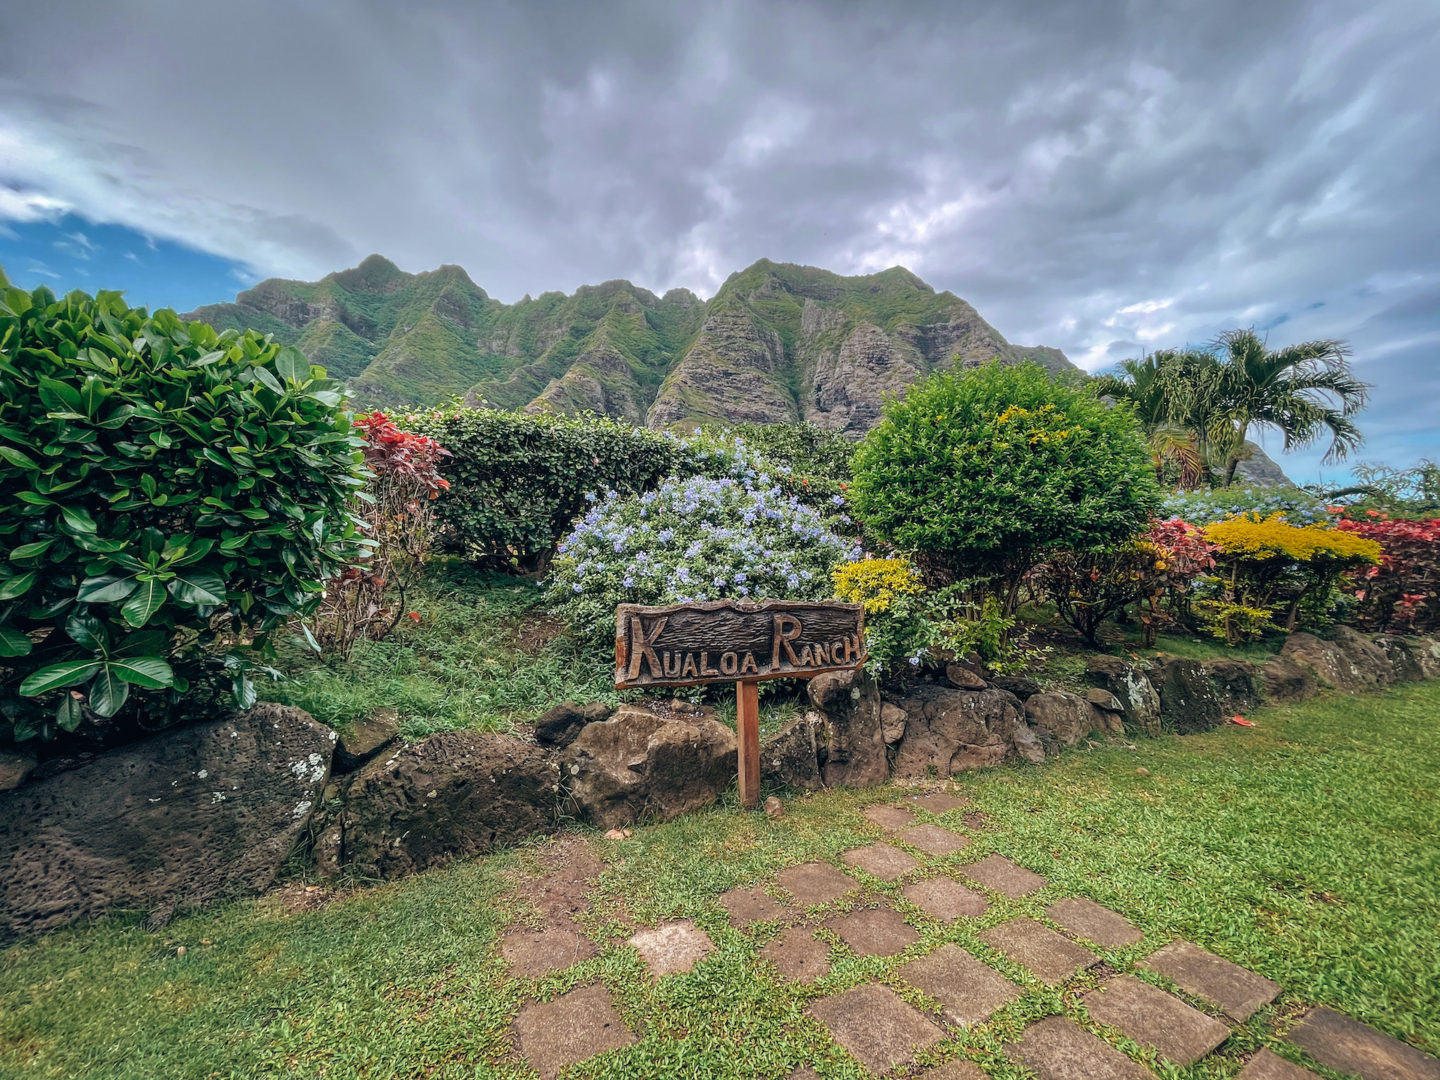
876, 584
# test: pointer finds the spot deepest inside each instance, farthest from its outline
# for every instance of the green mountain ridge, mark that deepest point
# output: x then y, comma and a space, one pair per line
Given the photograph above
777, 342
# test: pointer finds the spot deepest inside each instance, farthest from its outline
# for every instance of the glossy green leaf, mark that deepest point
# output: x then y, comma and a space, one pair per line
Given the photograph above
13, 642
29, 551
148, 598
18, 458
290, 363
70, 712
54, 676
18, 585
108, 692
105, 589
87, 631
198, 587
150, 672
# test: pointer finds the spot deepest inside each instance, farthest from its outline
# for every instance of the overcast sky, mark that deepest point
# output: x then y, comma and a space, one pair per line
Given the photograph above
1103, 177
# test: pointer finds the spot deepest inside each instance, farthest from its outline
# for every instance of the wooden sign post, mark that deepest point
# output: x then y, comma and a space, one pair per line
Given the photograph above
737, 641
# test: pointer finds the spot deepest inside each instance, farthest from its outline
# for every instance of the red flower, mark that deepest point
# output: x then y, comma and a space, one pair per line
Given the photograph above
413, 616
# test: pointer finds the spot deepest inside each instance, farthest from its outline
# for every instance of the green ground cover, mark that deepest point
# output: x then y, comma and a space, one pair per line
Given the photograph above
1303, 849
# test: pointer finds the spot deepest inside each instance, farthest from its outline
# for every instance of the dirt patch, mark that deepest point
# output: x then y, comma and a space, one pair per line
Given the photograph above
559, 893
295, 897
535, 631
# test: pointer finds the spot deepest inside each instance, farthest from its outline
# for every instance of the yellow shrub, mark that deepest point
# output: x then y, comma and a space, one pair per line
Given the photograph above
876, 583
1252, 537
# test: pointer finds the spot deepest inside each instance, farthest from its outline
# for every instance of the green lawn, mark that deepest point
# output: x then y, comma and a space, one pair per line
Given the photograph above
1304, 848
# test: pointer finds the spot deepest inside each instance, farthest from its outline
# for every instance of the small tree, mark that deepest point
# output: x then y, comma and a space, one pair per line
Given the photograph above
981, 473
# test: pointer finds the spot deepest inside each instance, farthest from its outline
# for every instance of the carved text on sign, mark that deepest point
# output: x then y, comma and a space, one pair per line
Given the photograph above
727, 640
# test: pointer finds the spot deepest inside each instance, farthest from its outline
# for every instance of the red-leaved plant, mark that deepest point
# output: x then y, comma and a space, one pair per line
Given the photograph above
368, 599
1402, 594
1182, 554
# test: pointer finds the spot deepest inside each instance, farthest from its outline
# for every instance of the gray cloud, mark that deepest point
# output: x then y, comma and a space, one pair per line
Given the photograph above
1106, 177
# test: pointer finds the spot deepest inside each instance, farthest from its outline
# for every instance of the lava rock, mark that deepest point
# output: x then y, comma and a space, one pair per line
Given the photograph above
1286, 681
366, 739
963, 677
1022, 686
1130, 686
791, 757
652, 762
855, 735
15, 769
1188, 701
1063, 716
948, 731
559, 726
1237, 685
183, 819
455, 793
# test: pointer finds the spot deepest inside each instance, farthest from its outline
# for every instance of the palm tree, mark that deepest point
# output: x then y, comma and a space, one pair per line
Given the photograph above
1168, 391
1302, 390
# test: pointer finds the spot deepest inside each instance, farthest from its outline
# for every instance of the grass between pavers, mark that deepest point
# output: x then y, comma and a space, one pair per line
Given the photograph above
1303, 849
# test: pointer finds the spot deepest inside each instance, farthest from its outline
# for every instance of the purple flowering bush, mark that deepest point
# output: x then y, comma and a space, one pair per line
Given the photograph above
698, 538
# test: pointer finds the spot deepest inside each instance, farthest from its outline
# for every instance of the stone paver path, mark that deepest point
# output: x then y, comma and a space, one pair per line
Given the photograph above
1087, 919
876, 1026
1050, 957
673, 947
945, 898
884, 861
1230, 988
881, 1029
570, 1029
874, 932
1058, 1049
968, 990
940, 802
933, 839
1338, 1042
889, 817
750, 904
999, 874
798, 954
954, 1070
815, 883
1268, 1065
1153, 1018
534, 954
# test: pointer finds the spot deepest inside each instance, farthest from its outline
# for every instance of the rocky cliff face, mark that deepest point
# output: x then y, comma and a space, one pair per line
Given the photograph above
777, 342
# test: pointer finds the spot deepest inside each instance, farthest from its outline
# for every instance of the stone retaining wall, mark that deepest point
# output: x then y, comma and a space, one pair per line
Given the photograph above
193, 816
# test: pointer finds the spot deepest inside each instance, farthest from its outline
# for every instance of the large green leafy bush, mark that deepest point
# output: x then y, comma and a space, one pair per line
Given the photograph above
979, 473
517, 481
166, 494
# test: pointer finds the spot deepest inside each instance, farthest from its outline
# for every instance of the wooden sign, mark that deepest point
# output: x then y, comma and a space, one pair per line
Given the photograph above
739, 641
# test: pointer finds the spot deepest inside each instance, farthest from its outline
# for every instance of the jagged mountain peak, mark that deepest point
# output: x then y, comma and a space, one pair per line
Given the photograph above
778, 341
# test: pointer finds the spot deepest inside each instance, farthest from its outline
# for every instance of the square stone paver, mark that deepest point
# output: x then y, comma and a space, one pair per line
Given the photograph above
814, 883
750, 903
954, 1070
1058, 1049
1268, 1065
945, 898
570, 1029
1087, 919
882, 860
876, 1026
933, 839
999, 874
673, 947
1153, 1018
969, 990
1050, 957
874, 932
940, 802
533, 955
1346, 1045
1229, 987
889, 817
798, 954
